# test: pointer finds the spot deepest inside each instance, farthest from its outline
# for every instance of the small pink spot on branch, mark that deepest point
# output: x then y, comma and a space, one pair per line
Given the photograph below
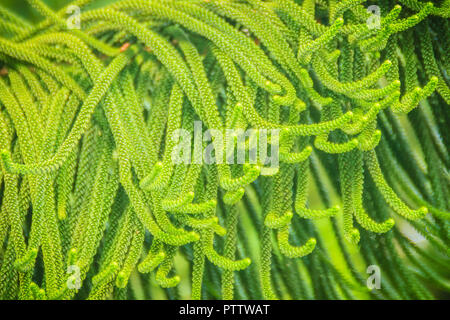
124, 47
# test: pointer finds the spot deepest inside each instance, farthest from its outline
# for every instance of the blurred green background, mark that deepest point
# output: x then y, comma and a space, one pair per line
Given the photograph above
22, 8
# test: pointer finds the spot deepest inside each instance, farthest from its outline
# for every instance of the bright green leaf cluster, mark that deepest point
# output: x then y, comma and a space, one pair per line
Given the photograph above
87, 124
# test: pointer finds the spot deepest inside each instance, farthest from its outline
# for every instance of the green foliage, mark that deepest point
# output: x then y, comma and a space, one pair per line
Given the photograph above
87, 179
